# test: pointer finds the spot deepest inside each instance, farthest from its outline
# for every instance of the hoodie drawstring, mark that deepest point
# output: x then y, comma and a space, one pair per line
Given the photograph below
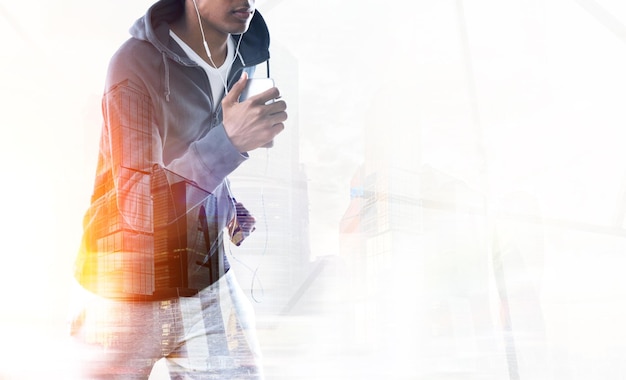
166, 65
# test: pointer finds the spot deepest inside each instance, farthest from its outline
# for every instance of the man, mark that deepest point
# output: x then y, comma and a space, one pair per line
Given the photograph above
152, 271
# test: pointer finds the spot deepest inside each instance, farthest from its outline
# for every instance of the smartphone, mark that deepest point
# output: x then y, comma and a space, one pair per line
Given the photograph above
256, 86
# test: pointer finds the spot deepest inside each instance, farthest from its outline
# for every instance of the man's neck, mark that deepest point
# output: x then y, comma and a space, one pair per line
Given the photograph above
188, 29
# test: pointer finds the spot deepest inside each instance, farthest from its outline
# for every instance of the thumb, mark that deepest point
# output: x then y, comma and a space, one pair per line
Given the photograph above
237, 89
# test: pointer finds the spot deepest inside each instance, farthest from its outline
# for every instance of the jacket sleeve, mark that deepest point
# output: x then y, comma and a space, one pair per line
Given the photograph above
126, 154
208, 161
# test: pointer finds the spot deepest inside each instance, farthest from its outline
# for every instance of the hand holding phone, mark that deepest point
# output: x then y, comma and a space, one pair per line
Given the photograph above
256, 86
253, 113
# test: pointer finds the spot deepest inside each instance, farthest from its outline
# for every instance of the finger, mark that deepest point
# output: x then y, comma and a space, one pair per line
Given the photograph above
235, 91
275, 107
277, 128
276, 118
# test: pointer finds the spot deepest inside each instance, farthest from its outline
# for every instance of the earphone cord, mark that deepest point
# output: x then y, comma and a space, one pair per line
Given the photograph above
255, 276
208, 52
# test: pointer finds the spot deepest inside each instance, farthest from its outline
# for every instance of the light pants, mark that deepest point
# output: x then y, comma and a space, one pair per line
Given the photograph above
208, 336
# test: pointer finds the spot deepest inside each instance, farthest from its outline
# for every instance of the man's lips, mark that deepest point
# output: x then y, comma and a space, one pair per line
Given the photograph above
243, 13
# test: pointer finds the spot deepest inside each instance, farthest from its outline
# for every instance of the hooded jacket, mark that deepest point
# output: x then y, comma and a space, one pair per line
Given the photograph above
161, 200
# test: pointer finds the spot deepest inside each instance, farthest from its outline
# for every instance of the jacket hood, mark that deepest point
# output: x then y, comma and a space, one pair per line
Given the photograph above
153, 27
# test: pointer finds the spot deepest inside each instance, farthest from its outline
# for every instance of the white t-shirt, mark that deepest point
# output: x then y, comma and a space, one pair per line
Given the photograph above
217, 76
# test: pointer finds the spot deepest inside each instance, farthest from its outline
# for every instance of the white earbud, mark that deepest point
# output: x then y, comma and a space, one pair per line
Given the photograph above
206, 48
